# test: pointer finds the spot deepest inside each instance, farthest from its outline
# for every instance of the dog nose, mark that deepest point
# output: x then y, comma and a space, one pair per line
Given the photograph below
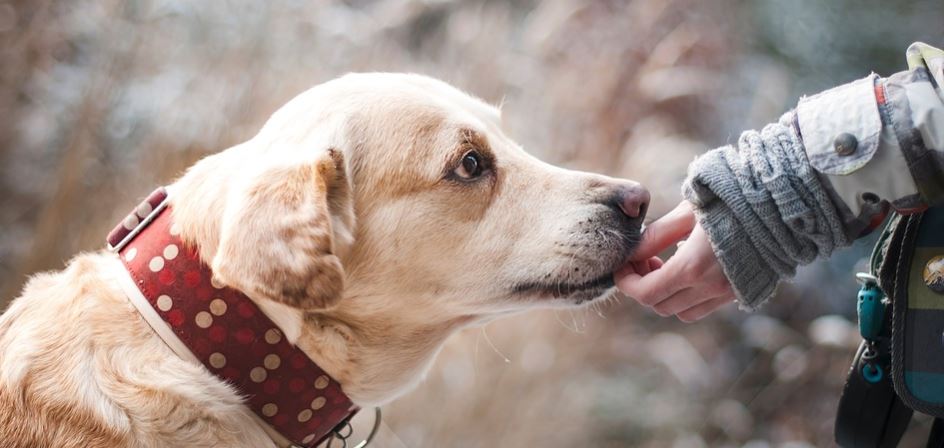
633, 200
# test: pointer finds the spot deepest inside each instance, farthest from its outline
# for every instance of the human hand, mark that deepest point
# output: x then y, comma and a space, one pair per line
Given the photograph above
691, 284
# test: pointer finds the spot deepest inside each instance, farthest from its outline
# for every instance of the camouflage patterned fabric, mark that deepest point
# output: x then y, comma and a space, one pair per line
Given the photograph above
920, 54
914, 101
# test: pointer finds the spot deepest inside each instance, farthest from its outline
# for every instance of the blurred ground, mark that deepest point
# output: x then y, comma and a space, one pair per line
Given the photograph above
101, 100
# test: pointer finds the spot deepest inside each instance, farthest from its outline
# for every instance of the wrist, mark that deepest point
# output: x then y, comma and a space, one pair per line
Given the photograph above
752, 279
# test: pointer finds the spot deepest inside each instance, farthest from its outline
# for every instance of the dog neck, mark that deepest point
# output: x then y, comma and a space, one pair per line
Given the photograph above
376, 347
199, 199
366, 343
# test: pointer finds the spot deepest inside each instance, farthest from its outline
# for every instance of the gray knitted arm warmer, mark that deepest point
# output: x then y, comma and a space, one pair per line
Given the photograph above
764, 209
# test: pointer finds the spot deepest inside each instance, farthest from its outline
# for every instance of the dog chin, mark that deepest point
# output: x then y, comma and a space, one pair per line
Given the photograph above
586, 297
572, 294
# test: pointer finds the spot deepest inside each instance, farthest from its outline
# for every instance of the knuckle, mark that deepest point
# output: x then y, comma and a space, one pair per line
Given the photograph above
651, 237
648, 300
691, 315
644, 296
625, 287
685, 316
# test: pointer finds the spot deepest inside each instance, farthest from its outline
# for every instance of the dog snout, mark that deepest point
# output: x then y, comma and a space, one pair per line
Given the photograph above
632, 200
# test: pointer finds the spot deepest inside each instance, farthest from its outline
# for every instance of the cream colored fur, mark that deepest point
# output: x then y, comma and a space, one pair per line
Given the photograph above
342, 219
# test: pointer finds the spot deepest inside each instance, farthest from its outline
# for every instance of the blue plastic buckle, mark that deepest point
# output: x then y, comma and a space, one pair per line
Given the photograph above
870, 306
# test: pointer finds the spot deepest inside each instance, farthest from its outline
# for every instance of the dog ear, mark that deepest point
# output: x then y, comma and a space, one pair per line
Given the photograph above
278, 238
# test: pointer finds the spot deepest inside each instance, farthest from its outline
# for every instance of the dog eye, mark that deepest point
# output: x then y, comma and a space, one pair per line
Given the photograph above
471, 166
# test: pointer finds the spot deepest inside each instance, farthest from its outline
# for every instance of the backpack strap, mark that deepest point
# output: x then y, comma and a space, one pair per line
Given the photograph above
936, 439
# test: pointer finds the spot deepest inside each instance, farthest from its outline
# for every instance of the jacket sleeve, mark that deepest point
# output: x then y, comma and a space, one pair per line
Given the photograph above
822, 175
880, 139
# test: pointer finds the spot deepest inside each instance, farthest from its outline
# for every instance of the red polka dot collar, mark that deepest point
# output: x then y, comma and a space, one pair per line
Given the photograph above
224, 330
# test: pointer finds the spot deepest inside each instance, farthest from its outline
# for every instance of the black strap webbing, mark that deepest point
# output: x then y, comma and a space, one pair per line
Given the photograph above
936, 439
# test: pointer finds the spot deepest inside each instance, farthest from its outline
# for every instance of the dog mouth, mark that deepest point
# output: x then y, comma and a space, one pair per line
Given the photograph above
579, 292
592, 256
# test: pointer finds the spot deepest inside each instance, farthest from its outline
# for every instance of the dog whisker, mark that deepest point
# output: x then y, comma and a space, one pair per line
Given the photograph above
492, 345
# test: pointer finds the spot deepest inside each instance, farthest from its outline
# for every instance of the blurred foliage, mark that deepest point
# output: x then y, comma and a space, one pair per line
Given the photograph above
104, 99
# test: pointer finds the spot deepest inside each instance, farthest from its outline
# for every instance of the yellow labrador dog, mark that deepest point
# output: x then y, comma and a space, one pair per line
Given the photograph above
371, 217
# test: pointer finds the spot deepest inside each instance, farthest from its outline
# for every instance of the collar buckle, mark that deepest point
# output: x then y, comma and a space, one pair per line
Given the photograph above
343, 431
137, 220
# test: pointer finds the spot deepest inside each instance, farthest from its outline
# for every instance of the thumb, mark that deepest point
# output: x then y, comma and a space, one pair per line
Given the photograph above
665, 231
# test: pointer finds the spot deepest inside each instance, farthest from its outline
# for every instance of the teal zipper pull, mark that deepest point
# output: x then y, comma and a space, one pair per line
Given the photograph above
870, 307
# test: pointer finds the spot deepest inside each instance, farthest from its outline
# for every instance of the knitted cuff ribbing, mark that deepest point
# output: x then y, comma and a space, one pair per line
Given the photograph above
750, 276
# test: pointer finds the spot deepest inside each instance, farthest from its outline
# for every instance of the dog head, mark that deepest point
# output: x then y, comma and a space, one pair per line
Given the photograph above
403, 186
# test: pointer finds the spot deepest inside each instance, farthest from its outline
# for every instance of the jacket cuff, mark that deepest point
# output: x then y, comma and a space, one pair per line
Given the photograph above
753, 280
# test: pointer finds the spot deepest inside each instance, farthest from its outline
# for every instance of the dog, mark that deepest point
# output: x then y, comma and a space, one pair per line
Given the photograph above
371, 217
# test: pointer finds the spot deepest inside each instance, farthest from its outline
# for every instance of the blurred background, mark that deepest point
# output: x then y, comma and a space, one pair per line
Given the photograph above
102, 100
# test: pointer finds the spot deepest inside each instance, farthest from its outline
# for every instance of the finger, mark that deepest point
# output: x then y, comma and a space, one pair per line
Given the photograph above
683, 300
665, 231
642, 267
654, 287
701, 310
655, 263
